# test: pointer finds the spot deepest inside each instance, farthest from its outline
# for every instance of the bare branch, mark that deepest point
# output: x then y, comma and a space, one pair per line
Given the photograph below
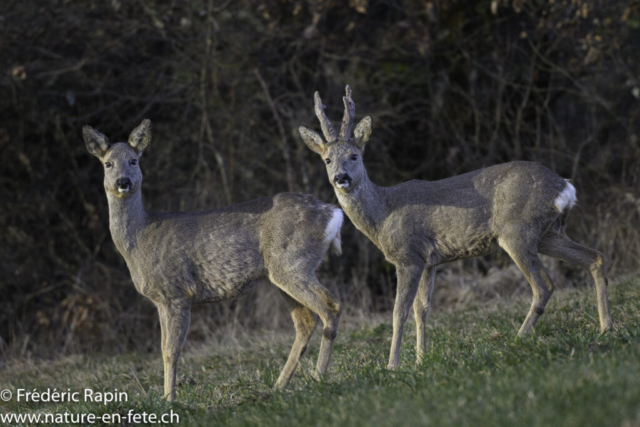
283, 134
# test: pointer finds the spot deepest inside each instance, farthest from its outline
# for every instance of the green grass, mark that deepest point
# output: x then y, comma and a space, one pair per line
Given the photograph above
476, 372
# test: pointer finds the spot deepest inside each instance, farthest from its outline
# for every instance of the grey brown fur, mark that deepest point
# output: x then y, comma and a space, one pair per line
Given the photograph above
418, 225
180, 259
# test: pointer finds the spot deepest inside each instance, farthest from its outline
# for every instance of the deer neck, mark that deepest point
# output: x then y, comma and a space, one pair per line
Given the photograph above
127, 217
365, 206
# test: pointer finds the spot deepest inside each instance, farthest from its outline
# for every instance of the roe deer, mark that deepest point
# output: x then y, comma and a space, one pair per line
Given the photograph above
180, 259
420, 224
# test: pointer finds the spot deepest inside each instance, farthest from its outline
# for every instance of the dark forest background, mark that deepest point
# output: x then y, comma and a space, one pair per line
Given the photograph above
452, 86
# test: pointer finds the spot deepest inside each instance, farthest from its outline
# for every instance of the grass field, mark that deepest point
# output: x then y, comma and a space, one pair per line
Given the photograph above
476, 372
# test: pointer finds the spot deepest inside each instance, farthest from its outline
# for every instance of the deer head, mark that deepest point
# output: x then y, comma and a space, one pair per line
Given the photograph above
122, 175
342, 154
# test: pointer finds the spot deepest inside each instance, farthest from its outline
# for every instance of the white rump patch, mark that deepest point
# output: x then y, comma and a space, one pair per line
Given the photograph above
567, 199
332, 232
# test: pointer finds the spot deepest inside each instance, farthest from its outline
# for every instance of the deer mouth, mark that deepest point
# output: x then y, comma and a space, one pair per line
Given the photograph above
342, 180
123, 185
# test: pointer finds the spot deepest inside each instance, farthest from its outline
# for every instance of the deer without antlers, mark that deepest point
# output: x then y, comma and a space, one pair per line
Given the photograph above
420, 224
180, 259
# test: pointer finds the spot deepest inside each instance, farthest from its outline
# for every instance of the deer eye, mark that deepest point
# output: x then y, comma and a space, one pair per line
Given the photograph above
133, 162
354, 157
108, 164
327, 161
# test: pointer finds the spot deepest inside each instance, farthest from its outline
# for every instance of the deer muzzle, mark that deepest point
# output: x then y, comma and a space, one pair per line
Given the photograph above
342, 180
123, 185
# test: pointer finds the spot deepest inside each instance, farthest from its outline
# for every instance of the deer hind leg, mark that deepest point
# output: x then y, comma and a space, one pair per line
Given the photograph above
526, 257
174, 324
408, 281
309, 292
304, 320
421, 309
560, 246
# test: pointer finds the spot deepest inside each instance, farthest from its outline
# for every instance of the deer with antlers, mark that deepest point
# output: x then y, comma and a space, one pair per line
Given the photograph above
521, 206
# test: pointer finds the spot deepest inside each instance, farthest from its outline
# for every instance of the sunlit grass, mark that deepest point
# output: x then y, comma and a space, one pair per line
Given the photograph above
476, 372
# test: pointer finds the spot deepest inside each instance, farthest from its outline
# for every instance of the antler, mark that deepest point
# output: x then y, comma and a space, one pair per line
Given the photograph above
349, 113
327, 127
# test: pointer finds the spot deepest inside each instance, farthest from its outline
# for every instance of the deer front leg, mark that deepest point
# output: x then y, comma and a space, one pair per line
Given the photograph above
421, 309
408, 280
174, 324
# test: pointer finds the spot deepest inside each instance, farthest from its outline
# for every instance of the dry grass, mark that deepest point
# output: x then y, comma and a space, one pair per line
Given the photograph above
475, 373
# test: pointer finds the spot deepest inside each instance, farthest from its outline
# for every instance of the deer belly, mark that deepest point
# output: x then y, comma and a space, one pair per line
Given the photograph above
226, 276
454, 247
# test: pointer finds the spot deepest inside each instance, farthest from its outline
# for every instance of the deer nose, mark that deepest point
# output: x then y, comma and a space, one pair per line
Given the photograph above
342, 179
123, 184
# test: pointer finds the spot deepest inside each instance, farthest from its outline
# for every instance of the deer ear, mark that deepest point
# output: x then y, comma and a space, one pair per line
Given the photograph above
363, 132
97, 144
141, 136
312, 139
